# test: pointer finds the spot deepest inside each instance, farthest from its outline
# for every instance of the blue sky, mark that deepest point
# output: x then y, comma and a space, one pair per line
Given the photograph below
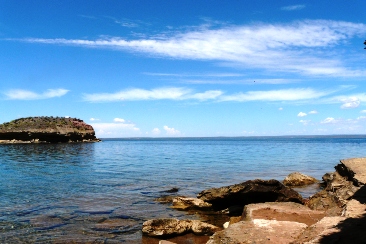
187, 68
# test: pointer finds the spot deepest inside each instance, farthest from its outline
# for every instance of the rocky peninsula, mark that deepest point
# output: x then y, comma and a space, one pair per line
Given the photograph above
45, 129
268, 211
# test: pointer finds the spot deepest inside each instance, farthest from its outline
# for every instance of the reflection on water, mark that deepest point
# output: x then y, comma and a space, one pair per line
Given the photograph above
102, 192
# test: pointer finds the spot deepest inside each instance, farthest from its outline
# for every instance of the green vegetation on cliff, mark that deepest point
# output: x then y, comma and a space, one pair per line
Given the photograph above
46, 129
43, 123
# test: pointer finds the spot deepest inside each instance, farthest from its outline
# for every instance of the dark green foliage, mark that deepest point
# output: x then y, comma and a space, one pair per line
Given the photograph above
42, 122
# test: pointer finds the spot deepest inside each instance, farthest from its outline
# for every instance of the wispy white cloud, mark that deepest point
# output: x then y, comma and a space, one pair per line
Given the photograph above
139, 94
172, 93
195, 75
18, 94
276, 95
293, 7
352, 102
301, 46
124, 22
113, 130
119, 120
329, 120
94, 119
363, 111
341, 125
348, 101
239, 81
178, 93
305, 122
171, 131
345, 122
301, 114
156, 131
313, 112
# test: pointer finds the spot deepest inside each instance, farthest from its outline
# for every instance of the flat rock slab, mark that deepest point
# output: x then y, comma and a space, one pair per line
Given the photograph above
259, 231
356, 166
282, 211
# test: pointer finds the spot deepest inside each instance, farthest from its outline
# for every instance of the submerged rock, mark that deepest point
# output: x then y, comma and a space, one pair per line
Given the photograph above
186, 203
298, 179
46, 130
252, 191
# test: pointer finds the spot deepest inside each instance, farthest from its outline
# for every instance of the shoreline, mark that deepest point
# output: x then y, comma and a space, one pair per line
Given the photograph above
345, 188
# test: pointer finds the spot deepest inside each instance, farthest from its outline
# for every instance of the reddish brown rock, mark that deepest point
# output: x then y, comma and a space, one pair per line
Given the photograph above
258, 231
282, 211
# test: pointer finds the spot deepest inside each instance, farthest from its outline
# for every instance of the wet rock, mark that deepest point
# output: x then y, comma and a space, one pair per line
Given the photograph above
258, 231
115, 224
167, 199
252, 191
46, 222
185, 203
172, 190
338, 191
174, 227
298, 179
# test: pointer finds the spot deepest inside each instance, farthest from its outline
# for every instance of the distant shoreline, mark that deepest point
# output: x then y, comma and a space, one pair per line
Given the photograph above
350, 136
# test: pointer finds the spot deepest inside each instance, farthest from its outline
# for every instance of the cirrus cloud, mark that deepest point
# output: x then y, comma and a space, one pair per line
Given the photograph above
293, 7
179, 93
19, 94
300, 47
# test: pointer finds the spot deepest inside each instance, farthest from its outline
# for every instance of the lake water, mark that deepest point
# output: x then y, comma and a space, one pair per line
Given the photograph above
103, 192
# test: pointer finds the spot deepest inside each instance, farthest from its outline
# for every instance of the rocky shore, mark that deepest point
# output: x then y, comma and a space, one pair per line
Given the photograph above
268, 211
46, 130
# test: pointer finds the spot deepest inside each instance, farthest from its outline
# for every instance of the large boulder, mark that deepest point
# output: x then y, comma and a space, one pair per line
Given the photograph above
252, 191
174, 227
298, 179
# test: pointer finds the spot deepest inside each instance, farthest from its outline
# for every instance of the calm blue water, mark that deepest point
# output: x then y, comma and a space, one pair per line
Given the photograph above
102, 192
